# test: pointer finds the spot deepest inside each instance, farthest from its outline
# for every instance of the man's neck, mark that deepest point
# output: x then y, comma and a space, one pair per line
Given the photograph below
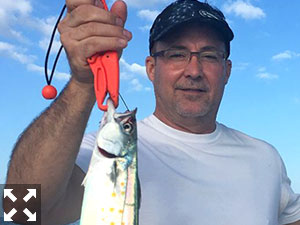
195, 125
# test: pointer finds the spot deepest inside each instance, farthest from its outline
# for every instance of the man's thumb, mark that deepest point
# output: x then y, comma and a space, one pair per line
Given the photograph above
119, 8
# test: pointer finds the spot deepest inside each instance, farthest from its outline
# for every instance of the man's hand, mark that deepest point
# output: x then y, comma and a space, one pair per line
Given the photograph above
88, 29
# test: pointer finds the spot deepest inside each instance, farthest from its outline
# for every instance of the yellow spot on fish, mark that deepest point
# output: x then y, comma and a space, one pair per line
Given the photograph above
121, 211
122, 223
122, 183
123, 193
113, 194
111, 209
102, 209
112, 223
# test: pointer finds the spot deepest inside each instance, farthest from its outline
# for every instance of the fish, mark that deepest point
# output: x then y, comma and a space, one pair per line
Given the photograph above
111, 185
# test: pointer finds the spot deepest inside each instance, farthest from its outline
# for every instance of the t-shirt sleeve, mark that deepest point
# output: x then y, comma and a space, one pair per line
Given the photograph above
290, 201
85, 152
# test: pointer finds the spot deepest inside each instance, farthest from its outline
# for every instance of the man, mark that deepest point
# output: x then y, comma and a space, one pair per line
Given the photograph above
193, 170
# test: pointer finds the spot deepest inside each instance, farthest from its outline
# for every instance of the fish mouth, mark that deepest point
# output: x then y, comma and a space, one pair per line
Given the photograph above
105, 153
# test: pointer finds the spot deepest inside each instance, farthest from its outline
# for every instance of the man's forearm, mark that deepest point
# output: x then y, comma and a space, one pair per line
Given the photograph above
46, 152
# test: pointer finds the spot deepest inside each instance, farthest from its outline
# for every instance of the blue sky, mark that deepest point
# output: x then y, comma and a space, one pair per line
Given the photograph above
262, 98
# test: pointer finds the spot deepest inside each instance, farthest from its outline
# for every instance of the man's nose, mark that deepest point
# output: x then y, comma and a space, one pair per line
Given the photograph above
194, 68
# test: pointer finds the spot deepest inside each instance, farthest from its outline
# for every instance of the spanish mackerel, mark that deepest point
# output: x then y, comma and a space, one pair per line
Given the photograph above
112, 192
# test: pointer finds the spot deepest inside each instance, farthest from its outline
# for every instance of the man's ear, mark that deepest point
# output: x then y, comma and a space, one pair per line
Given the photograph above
228, 70
150, 67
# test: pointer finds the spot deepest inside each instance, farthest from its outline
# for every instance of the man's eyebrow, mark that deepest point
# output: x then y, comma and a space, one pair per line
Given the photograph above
209, 48
178, 47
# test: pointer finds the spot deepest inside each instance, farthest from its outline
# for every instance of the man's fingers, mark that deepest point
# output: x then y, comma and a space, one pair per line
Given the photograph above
101, 30
72, 4
89, 13
106, 44
88, 47
84, 11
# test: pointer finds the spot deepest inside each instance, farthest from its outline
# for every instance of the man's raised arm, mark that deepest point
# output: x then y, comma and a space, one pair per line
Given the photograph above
46, 151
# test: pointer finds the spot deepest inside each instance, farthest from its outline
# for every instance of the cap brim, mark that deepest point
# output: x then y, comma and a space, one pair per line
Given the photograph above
223, 28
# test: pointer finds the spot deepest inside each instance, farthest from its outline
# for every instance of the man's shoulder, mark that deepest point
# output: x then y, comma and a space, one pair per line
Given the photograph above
240, 137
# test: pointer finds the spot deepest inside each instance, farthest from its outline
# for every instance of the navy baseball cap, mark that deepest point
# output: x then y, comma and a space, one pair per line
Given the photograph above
183, 11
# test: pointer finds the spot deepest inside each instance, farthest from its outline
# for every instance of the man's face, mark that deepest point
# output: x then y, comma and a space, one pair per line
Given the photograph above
195, 90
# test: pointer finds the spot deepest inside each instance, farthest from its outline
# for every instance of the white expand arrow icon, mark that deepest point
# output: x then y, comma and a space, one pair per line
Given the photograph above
7, 193
31, 217
31, 193
8, 216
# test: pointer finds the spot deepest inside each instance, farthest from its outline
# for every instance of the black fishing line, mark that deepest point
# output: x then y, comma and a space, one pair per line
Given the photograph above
49, 50
124, 102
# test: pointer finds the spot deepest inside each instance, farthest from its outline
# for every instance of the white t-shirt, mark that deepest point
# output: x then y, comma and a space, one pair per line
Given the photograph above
222, 178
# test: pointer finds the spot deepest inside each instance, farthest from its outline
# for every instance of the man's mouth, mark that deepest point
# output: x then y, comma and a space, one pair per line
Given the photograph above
191, 90
105, 153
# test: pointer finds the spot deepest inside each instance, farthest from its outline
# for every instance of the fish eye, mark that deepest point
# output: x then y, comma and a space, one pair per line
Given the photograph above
127, 127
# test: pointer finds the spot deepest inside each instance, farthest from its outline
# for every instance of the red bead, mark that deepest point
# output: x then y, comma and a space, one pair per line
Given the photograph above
49, 92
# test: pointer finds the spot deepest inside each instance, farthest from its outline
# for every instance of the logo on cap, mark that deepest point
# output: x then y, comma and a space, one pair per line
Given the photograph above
204, 13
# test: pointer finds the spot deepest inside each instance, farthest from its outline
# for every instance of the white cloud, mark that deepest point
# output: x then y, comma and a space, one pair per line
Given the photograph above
132, 73
148, 14
125, 75
133, 68
35, 68
15, 53
22, 7
240, 66
262, 69
263, 74
18, 55
40, 70
244, 9
44, 43
285, 55
145, 28
13, 13
136, 85
129, 71
16, 15
45, 27
267, 76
